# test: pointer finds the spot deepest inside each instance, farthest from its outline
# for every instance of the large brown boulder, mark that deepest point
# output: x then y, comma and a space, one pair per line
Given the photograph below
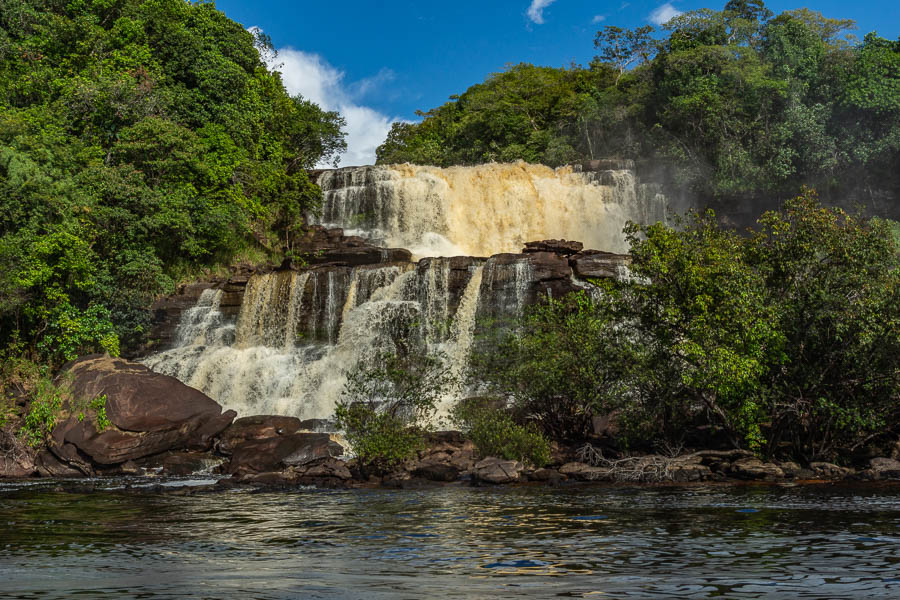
149, 413
497, 470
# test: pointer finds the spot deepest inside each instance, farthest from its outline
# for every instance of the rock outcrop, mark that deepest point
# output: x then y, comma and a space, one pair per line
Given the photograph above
321, 246
148, 413
280, 452
257, 427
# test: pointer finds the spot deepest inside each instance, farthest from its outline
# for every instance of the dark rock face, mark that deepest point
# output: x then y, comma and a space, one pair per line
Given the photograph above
330, 246
150, 413
178, 463
16, 459
594, 264
279, 452
49, 465
561, 247
256, 428
167, 313
512, 281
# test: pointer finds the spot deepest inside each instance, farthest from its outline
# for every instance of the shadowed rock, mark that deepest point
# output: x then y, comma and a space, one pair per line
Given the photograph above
150, 413
256, 428
279, 452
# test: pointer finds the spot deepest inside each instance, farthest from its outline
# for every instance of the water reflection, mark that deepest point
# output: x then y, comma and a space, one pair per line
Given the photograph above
696, 542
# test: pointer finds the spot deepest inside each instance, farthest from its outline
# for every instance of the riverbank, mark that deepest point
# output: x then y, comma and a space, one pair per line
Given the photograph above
150, 426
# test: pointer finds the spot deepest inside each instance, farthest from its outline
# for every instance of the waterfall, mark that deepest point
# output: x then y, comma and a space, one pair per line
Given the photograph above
298, 334
486, 209
261, 365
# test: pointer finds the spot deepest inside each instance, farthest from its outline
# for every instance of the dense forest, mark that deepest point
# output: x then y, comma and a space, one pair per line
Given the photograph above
144, 143
141, 141
739, 103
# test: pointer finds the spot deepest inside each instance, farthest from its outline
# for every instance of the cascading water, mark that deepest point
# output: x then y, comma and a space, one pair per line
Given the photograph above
486, 209
298, 334
264, 364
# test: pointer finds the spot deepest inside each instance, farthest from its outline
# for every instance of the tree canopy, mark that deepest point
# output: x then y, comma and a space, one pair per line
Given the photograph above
139, 140
737, 103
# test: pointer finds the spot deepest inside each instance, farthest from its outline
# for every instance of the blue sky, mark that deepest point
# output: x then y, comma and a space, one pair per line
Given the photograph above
378, 62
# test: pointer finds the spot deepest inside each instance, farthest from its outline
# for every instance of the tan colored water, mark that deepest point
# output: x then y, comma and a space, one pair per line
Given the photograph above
486, 209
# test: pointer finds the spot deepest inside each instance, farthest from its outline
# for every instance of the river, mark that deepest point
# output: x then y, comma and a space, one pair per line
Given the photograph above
812, 541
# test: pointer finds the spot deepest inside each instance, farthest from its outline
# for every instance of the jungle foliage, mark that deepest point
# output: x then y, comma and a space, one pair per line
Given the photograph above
736, 103
140, 141
786, 341
387, 407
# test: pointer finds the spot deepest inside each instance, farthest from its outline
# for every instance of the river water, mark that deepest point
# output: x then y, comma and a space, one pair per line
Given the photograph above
814, 541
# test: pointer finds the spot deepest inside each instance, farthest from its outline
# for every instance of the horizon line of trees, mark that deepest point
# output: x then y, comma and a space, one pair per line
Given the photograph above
739, 103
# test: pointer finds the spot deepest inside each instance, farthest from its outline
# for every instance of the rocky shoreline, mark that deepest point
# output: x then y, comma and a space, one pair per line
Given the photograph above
161, 427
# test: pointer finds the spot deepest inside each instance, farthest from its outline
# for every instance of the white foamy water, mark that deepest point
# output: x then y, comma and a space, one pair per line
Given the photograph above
486, 209
270, 362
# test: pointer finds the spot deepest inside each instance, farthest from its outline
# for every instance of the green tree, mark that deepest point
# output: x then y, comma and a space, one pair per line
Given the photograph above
624, 47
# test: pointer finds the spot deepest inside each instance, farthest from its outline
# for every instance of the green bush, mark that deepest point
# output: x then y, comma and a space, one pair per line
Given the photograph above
98, 407
386, 408
495, 433
381, 440
784, 340
43, 413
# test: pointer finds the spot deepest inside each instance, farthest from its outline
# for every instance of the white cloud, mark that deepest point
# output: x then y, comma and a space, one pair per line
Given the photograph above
663, 14
598, 19
312, 76
536, 10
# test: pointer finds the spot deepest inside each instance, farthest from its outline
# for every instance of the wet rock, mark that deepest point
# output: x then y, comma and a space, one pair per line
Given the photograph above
317, 425
325, 468
150, 413
791, 469
561, 247
755, 469
183, 463
595, 264
547, 475
330, 246
497, 470
824, 470
130, 468
396, 479
438, 471
166, 314
255, 428
269, 478
885, 468
48, 465
585, 472
275, 453
688, 469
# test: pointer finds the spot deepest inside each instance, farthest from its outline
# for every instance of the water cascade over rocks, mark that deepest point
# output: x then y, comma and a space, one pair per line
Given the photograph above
282, 341
486, 209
